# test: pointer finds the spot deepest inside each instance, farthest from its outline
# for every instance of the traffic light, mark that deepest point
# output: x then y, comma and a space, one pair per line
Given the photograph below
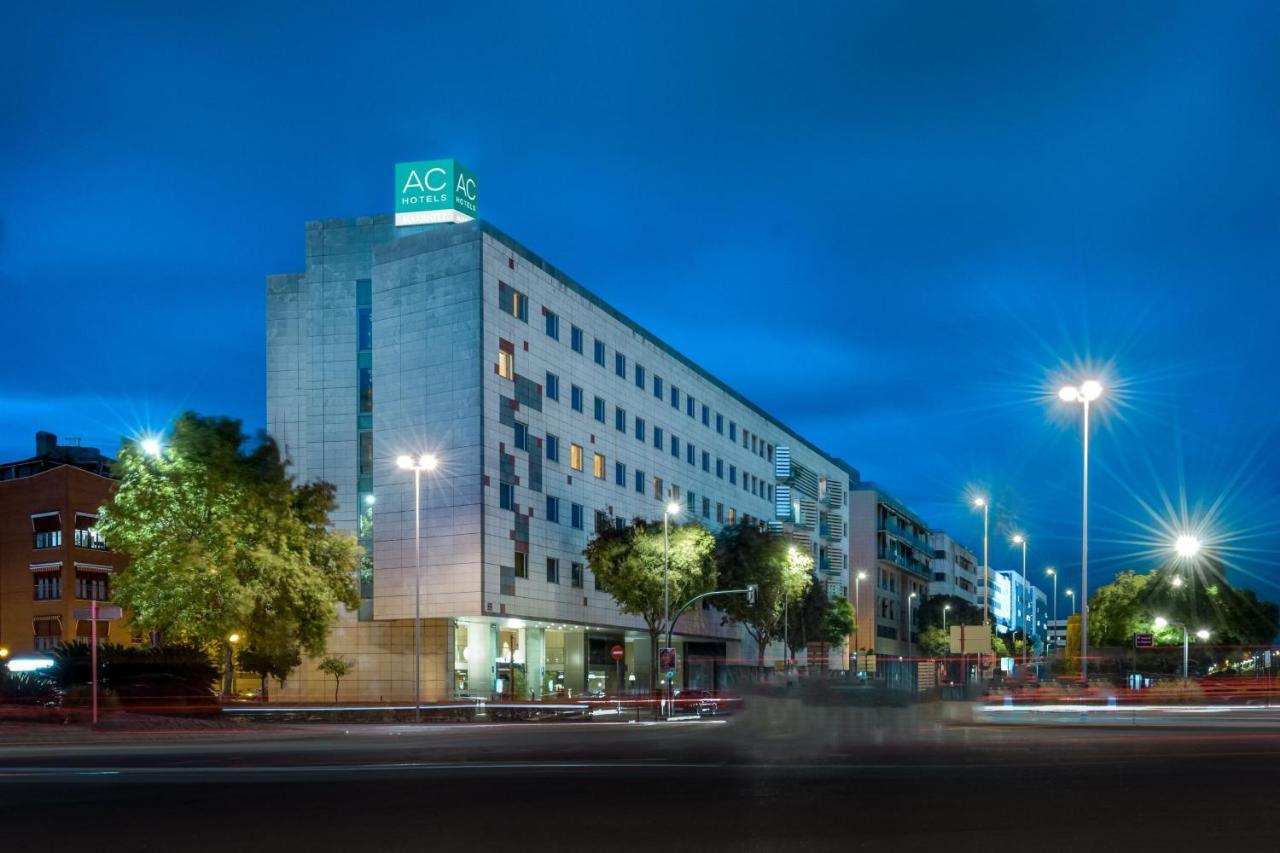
751, 592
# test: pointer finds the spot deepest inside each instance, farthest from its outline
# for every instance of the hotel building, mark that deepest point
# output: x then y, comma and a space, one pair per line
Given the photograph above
551, 414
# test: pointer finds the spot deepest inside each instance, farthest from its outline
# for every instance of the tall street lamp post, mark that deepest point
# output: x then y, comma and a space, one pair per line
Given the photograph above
857, 610
671, 509
1053, 573
1071, 594
911, 615
425, 462
1086, 393
1162, 623
945, 608
1022, 595
985, 506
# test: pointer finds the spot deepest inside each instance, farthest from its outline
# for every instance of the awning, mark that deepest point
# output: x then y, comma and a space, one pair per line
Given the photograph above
85, 521
46, 522
48, 626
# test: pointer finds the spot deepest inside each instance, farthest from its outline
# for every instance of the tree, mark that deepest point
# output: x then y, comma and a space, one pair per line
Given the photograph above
804, 618
627, 562
746, 555
270, 656
934, 642
220, 540
338, 667
959, 612
837, 623
1118, 610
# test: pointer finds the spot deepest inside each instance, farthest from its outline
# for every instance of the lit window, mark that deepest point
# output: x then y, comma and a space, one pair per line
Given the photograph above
513, 302
575, 457
506, 364
597, 465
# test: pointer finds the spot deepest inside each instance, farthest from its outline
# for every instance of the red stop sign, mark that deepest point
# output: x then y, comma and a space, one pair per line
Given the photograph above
617, 652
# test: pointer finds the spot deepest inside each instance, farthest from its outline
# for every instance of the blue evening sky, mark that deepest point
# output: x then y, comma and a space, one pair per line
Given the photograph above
897, 226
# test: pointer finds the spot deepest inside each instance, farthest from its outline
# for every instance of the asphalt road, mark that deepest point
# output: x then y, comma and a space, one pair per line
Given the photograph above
777, 777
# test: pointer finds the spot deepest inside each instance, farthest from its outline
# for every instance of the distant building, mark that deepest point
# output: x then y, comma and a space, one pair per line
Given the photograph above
1018, 606
52, 559
890, 544
1057, 633
956, 571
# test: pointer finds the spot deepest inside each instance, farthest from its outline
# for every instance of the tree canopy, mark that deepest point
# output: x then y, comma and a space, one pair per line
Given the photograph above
627, 562
747, 555
220, 540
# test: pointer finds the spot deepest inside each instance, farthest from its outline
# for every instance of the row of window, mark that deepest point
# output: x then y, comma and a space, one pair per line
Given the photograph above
90, 586
576, 570
516, 303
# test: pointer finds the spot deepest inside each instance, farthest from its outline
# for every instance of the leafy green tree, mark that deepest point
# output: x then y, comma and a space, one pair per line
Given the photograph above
220, 540
746, 555
934, 642
805, 620
628, 564
339, 667
961, 612
837, 623
272, 655
1118, 610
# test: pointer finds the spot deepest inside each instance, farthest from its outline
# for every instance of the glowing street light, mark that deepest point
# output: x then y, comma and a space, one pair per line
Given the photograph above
1053, 573
1071, 594
1177, 581
1187, 546
1019, 539
151, 446
945, 608
910, 623
985, 506
1086, 393
1161, 623
425, 462
671, 510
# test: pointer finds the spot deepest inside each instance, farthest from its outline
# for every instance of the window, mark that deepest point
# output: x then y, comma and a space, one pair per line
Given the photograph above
553, 448
553, 325
364, 329
522, 436
602, 521
733, 475
553, 509
597, 465
706, 507
46, 530
366, 390
522, 565
506, 496
513, 301
640, 429
719, 423
733, 431
688, 405
639, 376
575, 339
553, 386
599, 409
599, 352
620, 364
506, 364
657, 386
657, 437
575, 457
675, 397
619, 419
689, 453
48, 634
93, 586
706, 461
733, 515
619, 474
575, 516
657, 488
720, 513
48, 585
575, 575
691, 501
720, 468
553, 570
575, 398
364, 464
675, 447
640, 482
706, 415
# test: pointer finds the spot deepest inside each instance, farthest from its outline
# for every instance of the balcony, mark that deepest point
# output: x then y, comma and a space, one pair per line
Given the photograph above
905, 562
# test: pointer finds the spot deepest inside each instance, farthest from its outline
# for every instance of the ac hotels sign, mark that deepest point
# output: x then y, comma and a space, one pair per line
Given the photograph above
429, 191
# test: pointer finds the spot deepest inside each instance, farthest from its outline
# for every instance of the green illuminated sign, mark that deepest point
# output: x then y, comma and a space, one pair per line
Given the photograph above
430, 191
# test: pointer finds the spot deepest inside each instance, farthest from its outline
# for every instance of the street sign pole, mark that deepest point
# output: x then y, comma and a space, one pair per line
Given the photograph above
93, 656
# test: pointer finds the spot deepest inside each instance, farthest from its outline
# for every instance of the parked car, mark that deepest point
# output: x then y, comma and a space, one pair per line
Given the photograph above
696, 700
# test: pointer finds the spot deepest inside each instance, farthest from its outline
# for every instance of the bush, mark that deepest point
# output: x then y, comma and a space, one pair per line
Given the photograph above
171, 677
27, 688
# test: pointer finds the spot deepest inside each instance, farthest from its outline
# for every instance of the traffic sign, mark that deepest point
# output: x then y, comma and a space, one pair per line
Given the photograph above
667, 659
1143, 641
617, 653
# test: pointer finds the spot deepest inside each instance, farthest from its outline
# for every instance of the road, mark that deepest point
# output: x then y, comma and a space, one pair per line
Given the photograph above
779, 776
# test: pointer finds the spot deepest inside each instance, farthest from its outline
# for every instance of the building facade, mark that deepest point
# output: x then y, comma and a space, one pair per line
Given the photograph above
52, 559
890, 549
1018, 605
551, 414
956, 571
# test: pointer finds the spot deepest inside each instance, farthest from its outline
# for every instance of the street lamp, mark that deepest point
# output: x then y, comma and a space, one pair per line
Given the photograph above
670, 510
910, 623
945, 608
229, 678
1187, 546
1071, 594
1086, 393
1019, 539
1052, 572
151, 446
857, 608
1161, 623
985, 506
425, 462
